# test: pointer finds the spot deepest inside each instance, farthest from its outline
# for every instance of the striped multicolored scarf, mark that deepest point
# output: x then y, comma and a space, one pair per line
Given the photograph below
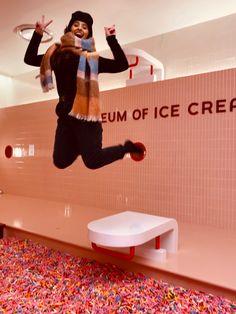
86, 103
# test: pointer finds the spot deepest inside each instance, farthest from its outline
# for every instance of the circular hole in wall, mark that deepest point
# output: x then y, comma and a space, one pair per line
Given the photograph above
8, 151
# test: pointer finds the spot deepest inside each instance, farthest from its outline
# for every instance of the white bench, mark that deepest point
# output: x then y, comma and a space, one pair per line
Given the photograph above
132, 230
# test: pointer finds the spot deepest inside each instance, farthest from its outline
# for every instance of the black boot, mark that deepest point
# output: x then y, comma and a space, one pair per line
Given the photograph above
130, 147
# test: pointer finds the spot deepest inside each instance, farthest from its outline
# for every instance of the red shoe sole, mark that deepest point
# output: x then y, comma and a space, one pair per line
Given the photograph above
136, 156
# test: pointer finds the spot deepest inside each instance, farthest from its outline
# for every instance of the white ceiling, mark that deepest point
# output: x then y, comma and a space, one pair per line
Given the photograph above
134, 20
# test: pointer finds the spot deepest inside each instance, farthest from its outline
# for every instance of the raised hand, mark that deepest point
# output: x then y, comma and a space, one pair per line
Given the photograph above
110, 30
40, 26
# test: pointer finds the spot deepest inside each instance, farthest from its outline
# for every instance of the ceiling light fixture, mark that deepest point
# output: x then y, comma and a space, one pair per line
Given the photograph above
25, 31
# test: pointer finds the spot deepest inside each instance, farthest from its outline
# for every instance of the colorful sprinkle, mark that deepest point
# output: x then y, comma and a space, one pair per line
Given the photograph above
36, 279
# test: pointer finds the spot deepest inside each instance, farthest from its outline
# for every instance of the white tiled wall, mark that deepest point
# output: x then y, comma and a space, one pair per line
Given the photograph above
190, 169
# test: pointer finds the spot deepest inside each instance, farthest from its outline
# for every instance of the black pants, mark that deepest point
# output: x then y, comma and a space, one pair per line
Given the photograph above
78, 137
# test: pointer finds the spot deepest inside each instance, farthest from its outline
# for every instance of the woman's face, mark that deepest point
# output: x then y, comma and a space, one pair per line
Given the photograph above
80, 29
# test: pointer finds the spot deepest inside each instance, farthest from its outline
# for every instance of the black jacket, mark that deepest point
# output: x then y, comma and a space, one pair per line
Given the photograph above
65, 64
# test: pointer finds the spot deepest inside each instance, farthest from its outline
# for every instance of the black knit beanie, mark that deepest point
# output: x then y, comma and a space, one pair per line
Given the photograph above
81, 16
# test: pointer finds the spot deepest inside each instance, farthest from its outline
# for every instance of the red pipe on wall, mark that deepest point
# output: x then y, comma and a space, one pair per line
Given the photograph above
133, 65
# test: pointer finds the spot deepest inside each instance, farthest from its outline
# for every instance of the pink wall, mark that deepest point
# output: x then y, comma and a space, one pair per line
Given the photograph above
189, 172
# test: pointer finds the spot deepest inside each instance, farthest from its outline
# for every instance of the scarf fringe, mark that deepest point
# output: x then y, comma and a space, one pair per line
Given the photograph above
47, 81
85, 118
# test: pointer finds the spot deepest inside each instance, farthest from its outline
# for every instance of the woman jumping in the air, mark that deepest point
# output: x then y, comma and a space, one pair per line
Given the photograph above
76, 65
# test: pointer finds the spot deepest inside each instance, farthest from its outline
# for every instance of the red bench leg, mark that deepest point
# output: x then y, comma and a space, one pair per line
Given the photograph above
116, 254
158, 242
